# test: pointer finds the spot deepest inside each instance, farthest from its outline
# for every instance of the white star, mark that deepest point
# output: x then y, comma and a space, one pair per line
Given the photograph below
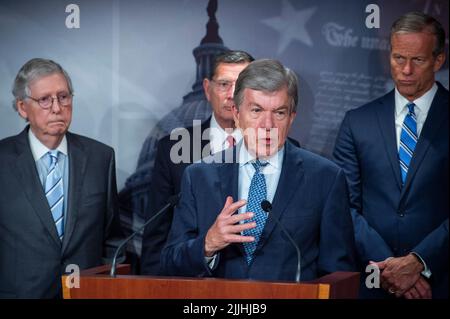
291, 25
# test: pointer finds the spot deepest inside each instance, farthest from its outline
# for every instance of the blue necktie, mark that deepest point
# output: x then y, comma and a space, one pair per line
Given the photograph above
54, 191
256, 194
408, 141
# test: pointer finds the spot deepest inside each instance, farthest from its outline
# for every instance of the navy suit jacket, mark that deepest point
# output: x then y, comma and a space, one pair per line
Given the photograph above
166, 182
391, 220
32, 257
310, 201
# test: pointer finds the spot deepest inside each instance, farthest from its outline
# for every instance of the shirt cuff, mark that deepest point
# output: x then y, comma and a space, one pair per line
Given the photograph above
211, 261
426, 272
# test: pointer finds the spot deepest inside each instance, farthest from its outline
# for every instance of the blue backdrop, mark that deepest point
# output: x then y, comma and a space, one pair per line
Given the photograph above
132, 62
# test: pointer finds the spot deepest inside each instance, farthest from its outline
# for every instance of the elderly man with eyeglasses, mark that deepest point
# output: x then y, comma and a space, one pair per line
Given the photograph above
58, 194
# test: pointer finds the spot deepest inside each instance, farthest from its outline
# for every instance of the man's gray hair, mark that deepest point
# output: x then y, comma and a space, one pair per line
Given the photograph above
32, 70
269, 76
415, 22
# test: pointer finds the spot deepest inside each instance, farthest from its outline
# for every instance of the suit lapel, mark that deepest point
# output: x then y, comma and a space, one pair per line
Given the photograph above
227, 182
196, 138
290, 178
25, 170
386, 121
206, 142
437, 114
77, 168
228, 174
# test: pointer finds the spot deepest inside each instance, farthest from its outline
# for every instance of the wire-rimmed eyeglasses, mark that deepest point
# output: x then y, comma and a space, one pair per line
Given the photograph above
45, 102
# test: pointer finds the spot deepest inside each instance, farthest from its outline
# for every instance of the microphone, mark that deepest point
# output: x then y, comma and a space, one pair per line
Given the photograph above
172, 201
267, 207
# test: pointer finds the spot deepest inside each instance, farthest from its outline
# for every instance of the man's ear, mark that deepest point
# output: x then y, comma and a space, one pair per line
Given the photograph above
206, 87
292, 118
235, 112
438, 62
21, 108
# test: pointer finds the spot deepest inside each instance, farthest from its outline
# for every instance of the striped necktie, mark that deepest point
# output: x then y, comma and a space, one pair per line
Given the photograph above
54, 191
230, 141
408, 141
256, 194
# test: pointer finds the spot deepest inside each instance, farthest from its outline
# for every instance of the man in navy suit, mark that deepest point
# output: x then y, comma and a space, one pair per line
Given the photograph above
394, 152
213, 135
219, 228
58, 195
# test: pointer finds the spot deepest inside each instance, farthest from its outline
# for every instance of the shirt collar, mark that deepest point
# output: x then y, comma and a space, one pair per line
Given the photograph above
218, 135
423, 103
38, 149
275, 161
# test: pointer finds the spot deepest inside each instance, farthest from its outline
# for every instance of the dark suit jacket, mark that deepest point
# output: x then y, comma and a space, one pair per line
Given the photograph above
310, 201
391, 220
166, 182
32, 258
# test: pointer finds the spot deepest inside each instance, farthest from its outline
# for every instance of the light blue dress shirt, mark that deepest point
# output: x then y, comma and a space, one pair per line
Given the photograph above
39, 152
271, 173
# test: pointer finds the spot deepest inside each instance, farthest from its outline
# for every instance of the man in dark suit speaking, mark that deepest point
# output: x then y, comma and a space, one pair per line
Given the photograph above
57, 189
394, 152
219, 228
213, 135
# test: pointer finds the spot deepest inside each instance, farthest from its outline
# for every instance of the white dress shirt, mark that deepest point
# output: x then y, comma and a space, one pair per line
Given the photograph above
421, 109
218, 136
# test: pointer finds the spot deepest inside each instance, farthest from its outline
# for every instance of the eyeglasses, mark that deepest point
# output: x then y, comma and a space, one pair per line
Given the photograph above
222, 85
46, 102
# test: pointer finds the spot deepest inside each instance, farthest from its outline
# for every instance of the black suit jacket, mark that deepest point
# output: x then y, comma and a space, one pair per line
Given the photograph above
391, 220
32, 258
166, 182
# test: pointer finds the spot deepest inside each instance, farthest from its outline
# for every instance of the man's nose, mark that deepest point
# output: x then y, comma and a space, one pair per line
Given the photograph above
230, 92
268, 120
408, 67
55, 107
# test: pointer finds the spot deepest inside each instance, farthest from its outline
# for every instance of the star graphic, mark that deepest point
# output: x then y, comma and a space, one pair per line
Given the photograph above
291, 25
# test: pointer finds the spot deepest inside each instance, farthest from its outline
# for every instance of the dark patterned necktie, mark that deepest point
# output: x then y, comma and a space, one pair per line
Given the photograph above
256, 194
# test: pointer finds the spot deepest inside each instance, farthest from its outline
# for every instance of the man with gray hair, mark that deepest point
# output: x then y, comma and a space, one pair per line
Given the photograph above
214, 135
220, 228
394, 152
58, 196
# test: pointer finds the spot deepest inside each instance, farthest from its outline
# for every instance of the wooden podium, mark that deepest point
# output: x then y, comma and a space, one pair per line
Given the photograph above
95, 283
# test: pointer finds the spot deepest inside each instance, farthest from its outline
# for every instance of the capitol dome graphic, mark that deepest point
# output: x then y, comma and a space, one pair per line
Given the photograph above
134, 196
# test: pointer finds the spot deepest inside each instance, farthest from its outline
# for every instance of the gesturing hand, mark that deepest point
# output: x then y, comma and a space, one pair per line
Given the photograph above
226, 229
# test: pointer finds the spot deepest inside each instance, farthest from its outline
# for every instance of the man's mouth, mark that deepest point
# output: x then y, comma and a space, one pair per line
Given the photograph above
266, 140
407, 82
57, 123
